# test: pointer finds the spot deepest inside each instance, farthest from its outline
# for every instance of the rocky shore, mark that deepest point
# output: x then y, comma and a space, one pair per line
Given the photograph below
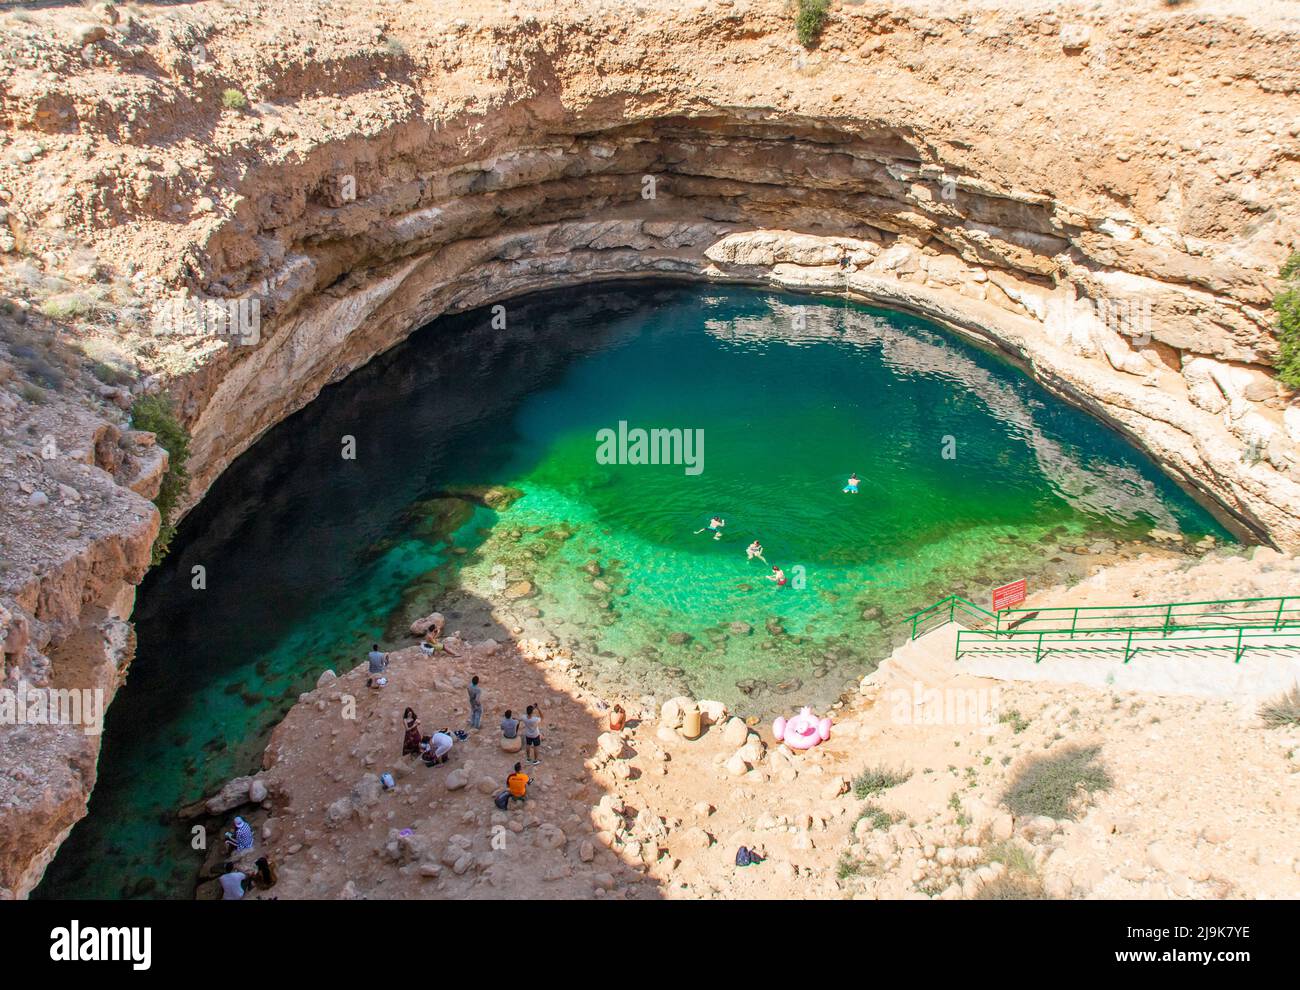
1201, 802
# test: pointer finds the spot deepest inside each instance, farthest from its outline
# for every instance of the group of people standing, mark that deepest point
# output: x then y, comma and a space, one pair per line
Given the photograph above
435, 749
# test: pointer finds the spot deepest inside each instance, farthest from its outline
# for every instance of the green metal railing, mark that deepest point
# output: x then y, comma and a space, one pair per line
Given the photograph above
1227, 613
1236, 625
948, 609
1237, 640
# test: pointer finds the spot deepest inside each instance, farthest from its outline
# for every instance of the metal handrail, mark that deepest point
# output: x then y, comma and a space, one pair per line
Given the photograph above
1273, 612
953, 603
1125, 640
1173, 629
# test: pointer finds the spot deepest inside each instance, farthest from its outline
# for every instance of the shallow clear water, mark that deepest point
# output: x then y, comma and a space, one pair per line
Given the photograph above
309, 557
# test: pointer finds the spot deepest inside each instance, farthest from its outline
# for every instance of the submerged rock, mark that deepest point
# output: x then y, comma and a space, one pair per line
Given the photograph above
520, 589
495, 497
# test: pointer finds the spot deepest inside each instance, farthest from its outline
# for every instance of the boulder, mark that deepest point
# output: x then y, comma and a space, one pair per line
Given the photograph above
433, 623
232, 795
735, 733
696, 838
551, 837
674, 711
367, 791
736, 766
338, 812
713, 712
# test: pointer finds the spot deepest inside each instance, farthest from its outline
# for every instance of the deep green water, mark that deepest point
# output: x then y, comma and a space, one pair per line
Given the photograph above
309, 556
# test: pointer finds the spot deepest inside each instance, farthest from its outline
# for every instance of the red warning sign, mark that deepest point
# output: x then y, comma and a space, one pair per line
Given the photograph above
1008, 595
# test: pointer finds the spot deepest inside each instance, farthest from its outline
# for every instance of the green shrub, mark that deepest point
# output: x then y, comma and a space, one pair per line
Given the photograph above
1287, 306
1284, 710
810, 20
876, 779
1011, 854
156, 414
847, 867
1013, 718
233, 99
878, 817
1053, 785
32, 394
108, 374
67, 306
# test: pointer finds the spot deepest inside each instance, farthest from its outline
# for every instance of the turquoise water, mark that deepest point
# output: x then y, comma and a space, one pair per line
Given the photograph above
972, 475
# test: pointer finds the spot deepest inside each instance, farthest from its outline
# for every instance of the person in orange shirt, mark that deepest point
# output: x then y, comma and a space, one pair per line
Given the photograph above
517, 784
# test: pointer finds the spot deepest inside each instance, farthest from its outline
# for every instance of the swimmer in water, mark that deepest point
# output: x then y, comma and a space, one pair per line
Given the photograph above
777, 575
755, 549
715, 527
852, 487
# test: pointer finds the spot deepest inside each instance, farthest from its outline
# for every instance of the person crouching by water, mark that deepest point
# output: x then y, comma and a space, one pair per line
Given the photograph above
241, 838
778, 576
411, 740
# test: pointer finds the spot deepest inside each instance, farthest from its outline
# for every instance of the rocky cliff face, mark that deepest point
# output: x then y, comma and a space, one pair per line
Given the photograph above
78, 528
1106, 194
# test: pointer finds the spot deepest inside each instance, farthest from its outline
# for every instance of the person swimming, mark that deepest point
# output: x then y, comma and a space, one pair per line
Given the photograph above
777, 575
755, 549
852, 487
714, 527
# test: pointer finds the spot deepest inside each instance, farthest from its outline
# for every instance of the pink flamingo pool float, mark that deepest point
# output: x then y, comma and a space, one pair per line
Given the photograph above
804, 731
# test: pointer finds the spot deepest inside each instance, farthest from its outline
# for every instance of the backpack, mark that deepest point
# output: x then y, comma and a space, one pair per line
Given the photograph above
743, 857
502, 800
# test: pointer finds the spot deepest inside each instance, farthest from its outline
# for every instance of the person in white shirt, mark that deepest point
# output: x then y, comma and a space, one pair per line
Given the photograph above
232, 884
532, 733
440, 744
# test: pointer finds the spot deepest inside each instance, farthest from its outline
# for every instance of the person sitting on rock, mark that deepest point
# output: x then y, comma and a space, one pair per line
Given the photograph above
517, 784
378, 661
509, 725
241, 838
511, 740
411, 740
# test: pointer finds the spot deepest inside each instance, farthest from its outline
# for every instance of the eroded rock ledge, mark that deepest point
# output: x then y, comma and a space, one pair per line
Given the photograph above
1013, 174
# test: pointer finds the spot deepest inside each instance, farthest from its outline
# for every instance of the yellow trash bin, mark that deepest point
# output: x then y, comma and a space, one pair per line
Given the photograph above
691, 723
